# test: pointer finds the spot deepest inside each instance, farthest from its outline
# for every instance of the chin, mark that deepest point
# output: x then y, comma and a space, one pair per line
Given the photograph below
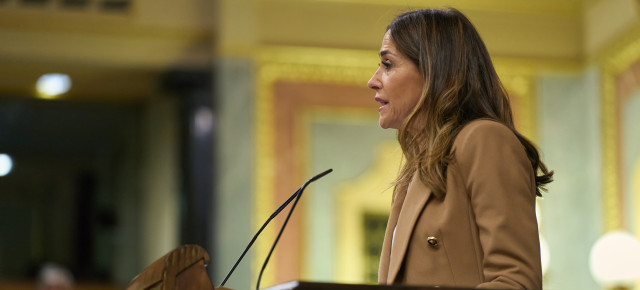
385, 125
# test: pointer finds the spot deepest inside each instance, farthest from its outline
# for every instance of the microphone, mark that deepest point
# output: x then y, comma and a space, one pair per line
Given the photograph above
312, 179
297, 194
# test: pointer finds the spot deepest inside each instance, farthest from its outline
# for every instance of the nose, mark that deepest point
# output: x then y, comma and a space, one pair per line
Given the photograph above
374, 83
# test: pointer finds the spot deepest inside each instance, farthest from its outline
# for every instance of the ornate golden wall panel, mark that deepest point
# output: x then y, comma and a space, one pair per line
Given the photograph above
620, 67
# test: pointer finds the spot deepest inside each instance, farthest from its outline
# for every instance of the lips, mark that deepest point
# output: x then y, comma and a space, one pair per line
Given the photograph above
382, 102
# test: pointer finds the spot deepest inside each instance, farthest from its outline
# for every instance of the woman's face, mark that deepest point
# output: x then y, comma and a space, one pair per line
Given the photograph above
398, 85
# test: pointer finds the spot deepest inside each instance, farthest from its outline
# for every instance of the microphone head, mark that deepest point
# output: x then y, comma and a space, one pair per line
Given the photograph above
320, 175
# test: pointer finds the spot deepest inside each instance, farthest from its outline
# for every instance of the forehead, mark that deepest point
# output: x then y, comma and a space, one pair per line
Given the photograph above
388, 44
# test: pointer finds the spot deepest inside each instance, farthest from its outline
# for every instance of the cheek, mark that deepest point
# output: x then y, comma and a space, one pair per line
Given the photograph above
416, 92
412, 97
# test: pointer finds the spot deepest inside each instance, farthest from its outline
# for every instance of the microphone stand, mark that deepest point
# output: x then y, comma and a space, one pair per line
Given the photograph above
297, 194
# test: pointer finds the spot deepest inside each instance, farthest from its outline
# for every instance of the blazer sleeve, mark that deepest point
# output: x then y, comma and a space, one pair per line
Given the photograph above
501, 185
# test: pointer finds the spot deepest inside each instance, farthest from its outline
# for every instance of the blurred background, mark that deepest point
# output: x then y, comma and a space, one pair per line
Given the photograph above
131, 127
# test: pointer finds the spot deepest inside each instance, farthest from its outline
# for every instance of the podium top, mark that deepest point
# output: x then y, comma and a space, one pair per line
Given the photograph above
300, 285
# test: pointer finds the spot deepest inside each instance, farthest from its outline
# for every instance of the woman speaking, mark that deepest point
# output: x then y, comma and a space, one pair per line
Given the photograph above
463, 211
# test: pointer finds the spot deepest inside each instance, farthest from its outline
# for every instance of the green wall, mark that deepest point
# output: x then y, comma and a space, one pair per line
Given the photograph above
569, 132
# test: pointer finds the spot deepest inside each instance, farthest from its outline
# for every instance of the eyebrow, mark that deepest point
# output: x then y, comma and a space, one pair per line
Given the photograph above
385, 52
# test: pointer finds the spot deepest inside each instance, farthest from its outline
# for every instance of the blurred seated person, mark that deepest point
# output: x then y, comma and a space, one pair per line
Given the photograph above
54, 277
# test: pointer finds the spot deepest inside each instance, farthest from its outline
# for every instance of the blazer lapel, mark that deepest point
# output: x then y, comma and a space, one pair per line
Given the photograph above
383, 269
414, 202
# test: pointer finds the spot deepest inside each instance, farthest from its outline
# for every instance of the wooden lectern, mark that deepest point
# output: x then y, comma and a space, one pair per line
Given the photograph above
180, 269
184, 269
300, 285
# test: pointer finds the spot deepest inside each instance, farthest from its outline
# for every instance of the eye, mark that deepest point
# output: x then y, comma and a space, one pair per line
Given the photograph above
386, 64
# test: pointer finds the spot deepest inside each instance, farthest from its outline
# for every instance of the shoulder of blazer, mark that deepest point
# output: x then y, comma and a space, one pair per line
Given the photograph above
484, 132
483, 136
477, 128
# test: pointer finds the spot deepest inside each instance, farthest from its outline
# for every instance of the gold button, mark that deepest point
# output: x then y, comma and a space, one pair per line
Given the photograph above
432, 241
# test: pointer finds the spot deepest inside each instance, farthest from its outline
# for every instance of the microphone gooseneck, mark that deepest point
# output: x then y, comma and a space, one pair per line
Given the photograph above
297, 194
256, 236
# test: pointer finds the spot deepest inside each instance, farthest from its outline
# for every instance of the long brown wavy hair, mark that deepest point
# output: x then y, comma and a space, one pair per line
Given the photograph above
461, 85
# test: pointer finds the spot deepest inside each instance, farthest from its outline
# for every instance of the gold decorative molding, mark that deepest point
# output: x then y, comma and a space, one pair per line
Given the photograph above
350, 204
610, 187
356, 198
521, 89
291, 64
617, 58
265, 160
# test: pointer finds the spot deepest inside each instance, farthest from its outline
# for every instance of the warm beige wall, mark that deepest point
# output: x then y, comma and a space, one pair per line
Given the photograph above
194, 14
543, 29
156, 35
129, 49
606, 20
236, 28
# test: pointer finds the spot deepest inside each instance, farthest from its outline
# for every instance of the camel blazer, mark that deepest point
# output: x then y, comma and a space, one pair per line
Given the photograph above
483, 233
